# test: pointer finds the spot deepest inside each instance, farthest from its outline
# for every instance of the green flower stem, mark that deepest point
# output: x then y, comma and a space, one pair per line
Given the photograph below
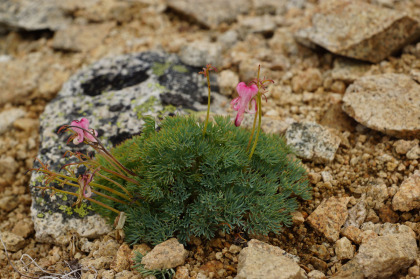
259, 125
208, 102
252, 133
89, 199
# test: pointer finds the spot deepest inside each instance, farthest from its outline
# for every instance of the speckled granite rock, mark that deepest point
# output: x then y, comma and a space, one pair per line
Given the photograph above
389, 103
360, 30
312, 142
114, 94
329, 216
209, 13
261, 260
33, 15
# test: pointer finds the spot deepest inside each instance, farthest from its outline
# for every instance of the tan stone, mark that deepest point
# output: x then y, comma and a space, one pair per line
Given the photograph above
168, 254
329, 216
388, 103
408, 196
359, 30
123, 259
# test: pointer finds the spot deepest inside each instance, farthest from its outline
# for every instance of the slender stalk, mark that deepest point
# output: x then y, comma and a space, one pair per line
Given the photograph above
120, 175
92, 183
259, 125
208, 101
116, 183
252, 133
93, 191
89, 199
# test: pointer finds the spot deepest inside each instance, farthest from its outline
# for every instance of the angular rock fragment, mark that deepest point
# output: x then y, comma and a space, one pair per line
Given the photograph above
381, 257
312, 142
389, 103
209, 13
360, 30
168, 254
81, 37
329, 216
12, 241
261, 260
408, 196
33, 15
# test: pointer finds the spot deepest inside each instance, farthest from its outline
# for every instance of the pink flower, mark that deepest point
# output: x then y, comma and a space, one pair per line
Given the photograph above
244, 101
83, 134
84, 181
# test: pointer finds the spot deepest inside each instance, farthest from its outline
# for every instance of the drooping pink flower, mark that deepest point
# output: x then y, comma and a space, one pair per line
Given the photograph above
83, 134
245, 100
84, 181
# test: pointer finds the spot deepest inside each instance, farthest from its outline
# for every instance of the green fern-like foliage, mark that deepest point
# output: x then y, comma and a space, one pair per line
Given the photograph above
192, 184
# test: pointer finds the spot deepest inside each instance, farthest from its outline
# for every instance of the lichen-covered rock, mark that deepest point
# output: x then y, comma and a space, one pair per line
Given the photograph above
209, 13
312, 142
360, 30
261, 260
114, 94
329, 216
168, 254
388, 103
408, 196
199, 54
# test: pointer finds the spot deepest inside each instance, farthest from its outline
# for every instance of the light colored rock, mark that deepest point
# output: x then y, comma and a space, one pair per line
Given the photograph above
257, 24
414, 153
7, 117
33, 15
168, 254
228, 39
347, 29
48, 227
122, 259
199, 54
312, 142
106, 248
343, 249
308, 80
8, 168
103, 262
208, 13
26, 124
348, 70
228, 80
388, 103
408, 196
297, 218
316, 274
329, 216
261, 260
383, 256
366, 236
352, 233
404, 146
34, 74
357, 215
23, 228
81, 37
12, 241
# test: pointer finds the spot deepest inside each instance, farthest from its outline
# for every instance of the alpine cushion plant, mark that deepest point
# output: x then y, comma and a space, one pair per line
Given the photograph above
190, 177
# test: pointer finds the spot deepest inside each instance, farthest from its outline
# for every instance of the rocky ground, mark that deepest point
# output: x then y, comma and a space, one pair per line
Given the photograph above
354, 122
